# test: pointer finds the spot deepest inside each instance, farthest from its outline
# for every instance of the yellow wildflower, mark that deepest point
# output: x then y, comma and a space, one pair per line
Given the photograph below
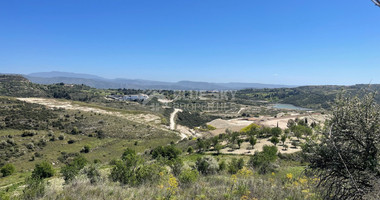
245, 172
289, 176
234, 178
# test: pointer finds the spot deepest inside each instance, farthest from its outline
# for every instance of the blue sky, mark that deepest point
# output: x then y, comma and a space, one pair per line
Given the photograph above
293, 42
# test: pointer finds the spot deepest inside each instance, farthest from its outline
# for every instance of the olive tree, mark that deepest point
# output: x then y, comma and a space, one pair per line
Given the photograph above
347, 157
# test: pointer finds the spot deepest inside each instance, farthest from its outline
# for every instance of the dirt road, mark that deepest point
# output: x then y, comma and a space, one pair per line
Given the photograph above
172, 118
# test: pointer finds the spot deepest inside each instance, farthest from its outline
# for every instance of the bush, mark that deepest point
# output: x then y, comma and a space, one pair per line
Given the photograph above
235, 165
35, 188
188, 176
92, 173
130, 157
346, 159
72, 169
176, 166
28, 134
100, 134
207, 165
222, 166
43, 170
135, 173
190, 150
71, 141
262, 160
169, 152
8, 169
75, 131
86, 149
30, 146
61, 137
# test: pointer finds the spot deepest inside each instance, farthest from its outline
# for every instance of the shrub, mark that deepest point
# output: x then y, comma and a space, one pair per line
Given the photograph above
262, 160
71, 141
100, 134
75, 131
92, 173
42, 143
222, 166
346, 159
35, 188
28, 134
190, 150
130, 157
235, 165
30, 146
188, 176
43, 170
72, 169
61, 137
169, 152
176, 166
207, 165
8, 169
86, 149
135, 173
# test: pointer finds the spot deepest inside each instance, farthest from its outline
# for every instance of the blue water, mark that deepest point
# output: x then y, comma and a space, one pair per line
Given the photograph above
288, 107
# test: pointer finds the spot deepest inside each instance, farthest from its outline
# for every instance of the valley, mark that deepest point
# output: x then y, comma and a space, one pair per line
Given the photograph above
193, 125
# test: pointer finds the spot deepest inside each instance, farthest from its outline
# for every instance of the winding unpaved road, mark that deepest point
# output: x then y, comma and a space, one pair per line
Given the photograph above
172, 117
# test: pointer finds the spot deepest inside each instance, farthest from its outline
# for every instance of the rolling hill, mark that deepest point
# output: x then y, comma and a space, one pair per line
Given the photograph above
103, 83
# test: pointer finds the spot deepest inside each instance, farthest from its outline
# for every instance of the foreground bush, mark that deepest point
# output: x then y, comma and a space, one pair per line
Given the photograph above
168, 152
8, 169
133, 171
262, 161
35, 188
43, 170
72, 169
188, 176
347, 157
235, 165
207, 165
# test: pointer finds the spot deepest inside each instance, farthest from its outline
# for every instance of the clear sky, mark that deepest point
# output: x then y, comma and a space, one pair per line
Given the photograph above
294, 42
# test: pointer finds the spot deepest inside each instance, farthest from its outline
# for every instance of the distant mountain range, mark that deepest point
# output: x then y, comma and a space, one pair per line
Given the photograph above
103, 83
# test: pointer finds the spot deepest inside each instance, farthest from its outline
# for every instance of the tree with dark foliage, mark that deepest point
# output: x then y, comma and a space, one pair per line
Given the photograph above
347, 158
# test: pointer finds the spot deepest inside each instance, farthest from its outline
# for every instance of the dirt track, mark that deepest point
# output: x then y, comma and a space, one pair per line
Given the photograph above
53, 103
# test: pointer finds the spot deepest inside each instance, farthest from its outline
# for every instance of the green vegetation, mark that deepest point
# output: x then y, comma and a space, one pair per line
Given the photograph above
262, 161
7, 169
71, 169
193, 119
101, 156
43, 170
347, 158
315, 97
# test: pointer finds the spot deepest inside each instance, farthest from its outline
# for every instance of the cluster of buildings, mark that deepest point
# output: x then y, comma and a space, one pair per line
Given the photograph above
134, 97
